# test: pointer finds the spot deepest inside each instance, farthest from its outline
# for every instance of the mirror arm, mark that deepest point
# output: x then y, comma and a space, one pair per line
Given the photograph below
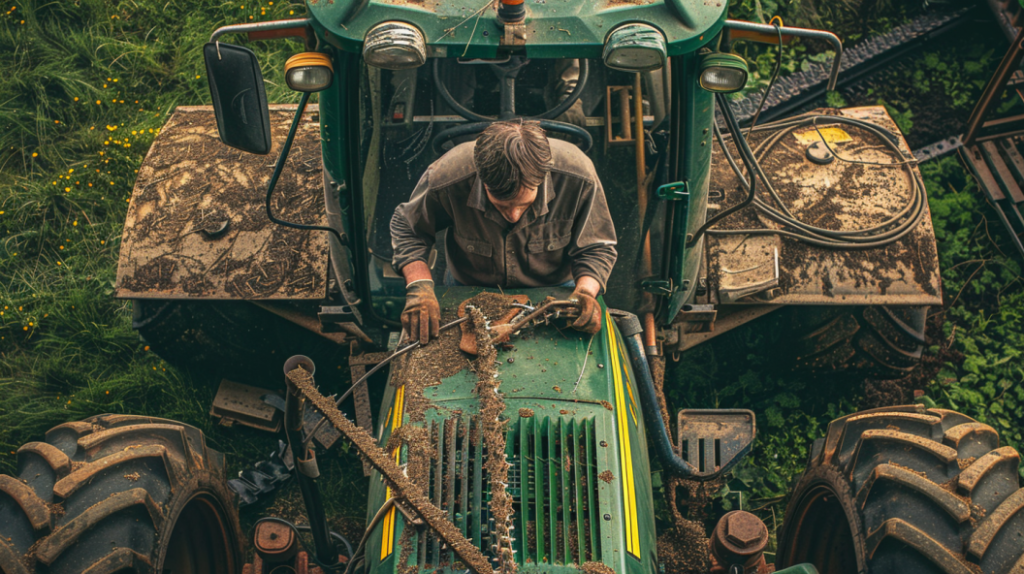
279, 167
261, 27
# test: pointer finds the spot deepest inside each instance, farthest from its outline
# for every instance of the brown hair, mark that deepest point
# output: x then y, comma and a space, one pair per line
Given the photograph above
510, 156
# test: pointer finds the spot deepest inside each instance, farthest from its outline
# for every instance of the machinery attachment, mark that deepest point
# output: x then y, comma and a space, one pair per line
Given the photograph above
713, 440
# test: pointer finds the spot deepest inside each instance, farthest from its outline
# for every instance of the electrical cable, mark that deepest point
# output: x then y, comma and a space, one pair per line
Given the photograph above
279, 167
374, 369
879, 235
748, 158
774, 76
369, 529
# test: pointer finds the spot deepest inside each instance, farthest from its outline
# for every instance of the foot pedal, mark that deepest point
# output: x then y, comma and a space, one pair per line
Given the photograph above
713, 440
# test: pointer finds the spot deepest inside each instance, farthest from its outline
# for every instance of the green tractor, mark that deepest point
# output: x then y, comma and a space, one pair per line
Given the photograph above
497, 447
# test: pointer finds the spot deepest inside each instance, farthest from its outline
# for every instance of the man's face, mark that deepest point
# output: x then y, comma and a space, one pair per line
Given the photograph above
513, 209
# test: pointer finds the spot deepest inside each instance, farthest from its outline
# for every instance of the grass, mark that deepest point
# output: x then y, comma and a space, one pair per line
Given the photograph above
85, 87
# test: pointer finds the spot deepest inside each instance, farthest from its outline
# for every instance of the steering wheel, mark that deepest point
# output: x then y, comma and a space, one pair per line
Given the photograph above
506, 73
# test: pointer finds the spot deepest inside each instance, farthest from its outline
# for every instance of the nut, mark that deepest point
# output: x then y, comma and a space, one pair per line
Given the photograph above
744, 530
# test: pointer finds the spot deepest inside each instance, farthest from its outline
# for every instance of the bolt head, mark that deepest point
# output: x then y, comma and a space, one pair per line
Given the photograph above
744, 529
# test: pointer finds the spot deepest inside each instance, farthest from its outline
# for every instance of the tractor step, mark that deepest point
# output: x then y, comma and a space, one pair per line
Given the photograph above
713, 440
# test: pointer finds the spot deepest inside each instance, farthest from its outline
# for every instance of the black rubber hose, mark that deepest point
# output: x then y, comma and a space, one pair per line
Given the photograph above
656, 430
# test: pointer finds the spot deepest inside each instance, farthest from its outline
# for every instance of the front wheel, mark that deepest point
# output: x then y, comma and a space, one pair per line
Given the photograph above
907, 490
118, 493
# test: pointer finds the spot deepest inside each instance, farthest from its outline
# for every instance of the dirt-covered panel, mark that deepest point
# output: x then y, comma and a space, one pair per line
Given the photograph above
842, 196
197, 227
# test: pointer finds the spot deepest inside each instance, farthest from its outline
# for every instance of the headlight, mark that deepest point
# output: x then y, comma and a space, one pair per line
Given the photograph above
725, 73
635, 48
308, 72
395, 46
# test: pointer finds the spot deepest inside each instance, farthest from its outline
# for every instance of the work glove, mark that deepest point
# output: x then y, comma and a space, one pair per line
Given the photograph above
589, 320
422, 315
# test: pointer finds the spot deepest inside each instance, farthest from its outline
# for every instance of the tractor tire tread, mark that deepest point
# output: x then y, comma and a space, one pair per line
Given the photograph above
929, 492
875, 341
127, 477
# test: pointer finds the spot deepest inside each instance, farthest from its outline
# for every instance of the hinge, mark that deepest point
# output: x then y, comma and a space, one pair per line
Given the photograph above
673, 191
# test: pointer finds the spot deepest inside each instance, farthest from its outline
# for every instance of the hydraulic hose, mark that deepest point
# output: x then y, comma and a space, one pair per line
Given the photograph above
655, 425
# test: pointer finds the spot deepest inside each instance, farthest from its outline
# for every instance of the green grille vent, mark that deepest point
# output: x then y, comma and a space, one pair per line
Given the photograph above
557, 508
552, 481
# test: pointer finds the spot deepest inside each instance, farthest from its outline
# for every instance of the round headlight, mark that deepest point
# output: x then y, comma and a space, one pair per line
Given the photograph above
724, 73
395, 46
309, 72
635, 48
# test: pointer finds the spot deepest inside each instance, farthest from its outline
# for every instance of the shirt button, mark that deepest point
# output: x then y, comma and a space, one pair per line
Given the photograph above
470, 248
551, 246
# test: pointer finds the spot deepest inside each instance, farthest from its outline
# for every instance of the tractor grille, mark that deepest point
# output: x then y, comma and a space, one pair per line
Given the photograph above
557, 506
552, 481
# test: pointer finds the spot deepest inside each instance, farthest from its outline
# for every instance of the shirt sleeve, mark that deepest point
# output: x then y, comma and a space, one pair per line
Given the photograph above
415, 223
593, 236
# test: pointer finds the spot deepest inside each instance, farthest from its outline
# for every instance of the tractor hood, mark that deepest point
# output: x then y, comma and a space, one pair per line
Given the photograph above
556, 29
578, 477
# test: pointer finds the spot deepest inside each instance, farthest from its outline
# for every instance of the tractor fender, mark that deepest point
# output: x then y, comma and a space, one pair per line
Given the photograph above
196, 226
845, 194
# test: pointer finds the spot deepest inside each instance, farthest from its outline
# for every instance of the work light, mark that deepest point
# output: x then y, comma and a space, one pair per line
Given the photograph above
725, 73
635, 48
308, 72
395, 46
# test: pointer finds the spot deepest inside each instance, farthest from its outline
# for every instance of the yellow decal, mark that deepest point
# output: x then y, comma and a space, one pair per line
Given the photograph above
387, 543
629, 386
831, 135
625, 448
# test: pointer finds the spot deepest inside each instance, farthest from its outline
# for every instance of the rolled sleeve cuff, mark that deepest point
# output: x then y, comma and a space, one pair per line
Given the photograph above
596, 262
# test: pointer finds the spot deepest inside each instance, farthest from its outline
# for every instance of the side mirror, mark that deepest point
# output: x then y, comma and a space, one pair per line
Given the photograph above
239, 98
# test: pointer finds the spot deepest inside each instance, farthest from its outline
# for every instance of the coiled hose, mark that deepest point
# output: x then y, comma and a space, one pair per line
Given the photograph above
889, 231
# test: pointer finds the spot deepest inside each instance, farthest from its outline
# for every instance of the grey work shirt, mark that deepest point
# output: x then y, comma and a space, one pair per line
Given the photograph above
566, 234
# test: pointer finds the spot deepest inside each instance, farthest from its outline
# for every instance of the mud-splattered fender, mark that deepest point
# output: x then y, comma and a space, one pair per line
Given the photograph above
196, 226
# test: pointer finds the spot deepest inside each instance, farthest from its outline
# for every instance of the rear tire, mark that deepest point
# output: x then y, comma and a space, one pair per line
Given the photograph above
232, 339
874, 341
118, 493
905, 490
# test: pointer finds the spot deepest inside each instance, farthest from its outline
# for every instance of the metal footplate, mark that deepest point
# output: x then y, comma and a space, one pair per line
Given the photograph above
713, 440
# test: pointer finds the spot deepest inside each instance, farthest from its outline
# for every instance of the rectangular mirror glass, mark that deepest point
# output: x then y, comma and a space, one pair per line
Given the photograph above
239, 98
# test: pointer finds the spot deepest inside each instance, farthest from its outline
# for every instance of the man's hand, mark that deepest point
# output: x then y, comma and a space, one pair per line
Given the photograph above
422, 315
589, 320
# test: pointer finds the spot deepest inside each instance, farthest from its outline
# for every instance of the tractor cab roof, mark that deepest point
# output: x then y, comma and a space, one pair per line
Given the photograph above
552, 29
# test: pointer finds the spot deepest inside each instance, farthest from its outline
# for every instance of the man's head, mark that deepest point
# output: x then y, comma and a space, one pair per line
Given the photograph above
512, 159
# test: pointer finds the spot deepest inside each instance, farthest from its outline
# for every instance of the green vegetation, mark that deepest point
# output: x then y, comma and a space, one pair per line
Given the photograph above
84, 88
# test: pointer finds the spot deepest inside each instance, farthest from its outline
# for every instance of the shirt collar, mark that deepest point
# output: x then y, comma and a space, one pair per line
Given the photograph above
545, 195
